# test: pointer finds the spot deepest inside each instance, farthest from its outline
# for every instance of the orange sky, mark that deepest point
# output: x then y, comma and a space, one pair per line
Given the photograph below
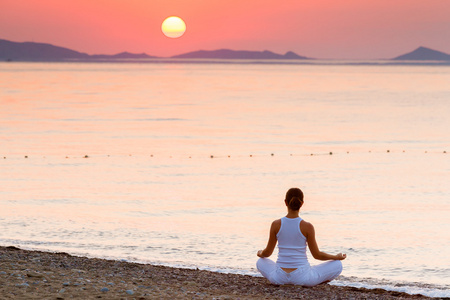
348, 29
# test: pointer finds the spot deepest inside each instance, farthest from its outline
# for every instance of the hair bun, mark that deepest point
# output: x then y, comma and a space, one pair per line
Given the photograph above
295, 203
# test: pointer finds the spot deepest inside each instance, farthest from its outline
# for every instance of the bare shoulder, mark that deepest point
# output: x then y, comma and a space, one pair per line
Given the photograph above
276, 225
306, 228
277, 221
306, 224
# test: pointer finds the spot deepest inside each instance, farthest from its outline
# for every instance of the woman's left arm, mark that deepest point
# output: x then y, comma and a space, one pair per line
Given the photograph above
274, 228
310, 235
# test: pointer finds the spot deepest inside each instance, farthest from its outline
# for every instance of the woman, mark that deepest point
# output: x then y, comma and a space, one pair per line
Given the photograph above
292, 234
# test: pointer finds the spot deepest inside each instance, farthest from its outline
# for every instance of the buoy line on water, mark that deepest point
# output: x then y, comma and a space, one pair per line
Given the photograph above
330, 153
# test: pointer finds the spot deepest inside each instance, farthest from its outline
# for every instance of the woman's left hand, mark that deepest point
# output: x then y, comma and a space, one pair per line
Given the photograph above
259, 253
341, 256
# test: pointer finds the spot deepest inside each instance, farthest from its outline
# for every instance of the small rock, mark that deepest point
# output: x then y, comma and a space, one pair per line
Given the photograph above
34, 274
110, 283
105, 289
2, 273
129, 292
62, 291
23, 284
66, 283
12, 248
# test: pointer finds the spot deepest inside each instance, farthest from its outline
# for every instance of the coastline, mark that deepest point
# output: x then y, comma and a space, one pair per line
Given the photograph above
28, 274
221, 61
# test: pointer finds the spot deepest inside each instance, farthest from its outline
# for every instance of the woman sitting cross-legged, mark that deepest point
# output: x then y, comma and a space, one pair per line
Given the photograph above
293, 234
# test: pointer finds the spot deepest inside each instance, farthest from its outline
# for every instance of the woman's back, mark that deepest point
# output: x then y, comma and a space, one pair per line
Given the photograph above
291, 244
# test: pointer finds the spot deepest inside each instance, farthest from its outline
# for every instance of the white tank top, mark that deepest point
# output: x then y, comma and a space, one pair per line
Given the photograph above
291, 244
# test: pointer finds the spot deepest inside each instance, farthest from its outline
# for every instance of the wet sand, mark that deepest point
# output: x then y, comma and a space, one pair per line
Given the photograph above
46, 275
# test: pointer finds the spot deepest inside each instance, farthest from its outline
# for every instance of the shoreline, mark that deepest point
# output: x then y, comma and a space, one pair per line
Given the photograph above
39, 274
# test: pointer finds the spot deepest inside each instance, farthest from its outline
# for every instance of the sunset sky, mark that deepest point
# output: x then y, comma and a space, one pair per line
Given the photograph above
347, 29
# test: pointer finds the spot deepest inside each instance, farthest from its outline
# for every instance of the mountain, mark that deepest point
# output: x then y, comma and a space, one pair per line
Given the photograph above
423, 53
123, 55
30, 51
233, 54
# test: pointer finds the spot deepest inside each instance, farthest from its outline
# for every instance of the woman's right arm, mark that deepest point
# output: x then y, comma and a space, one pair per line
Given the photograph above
274, 228
314, 248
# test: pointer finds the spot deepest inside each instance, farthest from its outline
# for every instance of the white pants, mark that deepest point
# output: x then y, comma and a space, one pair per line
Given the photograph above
305, 276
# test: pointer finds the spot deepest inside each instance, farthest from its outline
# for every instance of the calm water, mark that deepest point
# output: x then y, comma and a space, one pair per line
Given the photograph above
187, 164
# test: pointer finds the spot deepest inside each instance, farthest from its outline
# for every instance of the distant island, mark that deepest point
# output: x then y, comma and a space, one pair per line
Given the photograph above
423, 53
31, 51
233, 54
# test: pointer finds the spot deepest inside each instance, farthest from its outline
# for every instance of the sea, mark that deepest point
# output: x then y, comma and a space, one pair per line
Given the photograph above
186, 163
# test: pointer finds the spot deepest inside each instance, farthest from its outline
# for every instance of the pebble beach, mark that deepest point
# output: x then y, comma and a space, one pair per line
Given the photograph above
47, 275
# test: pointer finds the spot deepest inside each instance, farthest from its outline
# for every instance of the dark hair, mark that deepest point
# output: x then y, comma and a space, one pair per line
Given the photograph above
294, 198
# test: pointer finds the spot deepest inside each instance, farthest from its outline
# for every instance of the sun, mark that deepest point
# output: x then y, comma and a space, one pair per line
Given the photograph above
173, 27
